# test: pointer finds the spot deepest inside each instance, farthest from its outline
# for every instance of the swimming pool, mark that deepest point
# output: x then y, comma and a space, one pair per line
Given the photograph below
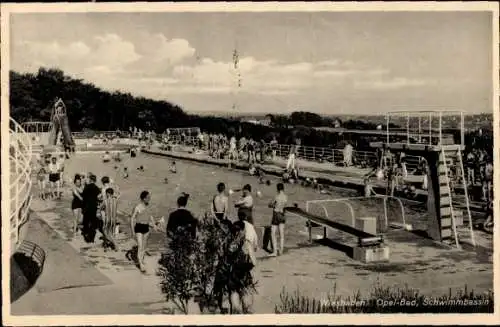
312, 268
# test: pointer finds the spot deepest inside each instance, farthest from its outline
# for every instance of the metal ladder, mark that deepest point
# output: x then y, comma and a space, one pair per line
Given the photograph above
449, 197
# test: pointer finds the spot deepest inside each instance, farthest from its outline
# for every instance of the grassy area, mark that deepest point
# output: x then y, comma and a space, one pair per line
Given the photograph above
388, 299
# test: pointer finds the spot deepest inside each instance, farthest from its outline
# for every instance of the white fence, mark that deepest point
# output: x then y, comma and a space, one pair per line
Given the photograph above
20, 153
311, 153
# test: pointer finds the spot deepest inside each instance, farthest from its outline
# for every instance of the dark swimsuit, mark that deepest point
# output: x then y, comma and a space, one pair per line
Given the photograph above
76, 203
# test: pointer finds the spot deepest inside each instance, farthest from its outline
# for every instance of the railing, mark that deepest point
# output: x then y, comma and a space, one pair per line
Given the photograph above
106, 134
310, 153
188, 131
20, 152
346, 202
425, 127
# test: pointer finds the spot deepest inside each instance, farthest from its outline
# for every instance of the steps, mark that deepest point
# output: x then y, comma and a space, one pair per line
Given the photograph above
450, 167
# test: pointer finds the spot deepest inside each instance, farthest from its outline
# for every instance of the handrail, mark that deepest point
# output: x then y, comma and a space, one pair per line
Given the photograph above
353, 215
434, 134
20, 167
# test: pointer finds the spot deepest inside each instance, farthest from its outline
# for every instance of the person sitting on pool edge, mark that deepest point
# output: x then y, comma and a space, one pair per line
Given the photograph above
181, 218
245, 204
173, 168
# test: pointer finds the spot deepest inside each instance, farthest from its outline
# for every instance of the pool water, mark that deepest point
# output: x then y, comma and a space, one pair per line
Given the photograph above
200, 181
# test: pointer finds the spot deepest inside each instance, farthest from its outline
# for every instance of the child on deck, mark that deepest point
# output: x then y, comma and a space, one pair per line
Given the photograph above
42, 179
110, 207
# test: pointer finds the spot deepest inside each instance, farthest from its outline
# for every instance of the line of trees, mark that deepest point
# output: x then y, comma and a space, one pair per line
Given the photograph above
91, 108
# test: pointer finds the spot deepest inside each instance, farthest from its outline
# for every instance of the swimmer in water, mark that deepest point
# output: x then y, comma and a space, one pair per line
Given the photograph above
117, 157
252, 170
125, 172
173, 168
141, 168
220, 203
106, 157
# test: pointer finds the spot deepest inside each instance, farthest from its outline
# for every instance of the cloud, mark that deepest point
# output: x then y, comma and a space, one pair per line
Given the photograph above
392, 83
156, 66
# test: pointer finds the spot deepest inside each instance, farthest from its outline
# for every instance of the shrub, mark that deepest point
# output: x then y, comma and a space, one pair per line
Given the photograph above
204, 268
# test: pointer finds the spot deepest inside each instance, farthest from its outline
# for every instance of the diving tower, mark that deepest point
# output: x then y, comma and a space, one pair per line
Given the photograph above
438, 137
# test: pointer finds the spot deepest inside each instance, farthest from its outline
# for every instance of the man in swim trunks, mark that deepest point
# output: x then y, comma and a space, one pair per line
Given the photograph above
245, 204
278, 220
140, 225
62, 160
219, 205
488, 180
54, 176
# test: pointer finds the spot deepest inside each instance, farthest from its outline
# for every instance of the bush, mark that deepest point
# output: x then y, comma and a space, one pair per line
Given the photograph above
203, 268
388, 300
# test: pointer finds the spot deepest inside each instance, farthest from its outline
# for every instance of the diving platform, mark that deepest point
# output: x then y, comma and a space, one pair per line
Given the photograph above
438, 138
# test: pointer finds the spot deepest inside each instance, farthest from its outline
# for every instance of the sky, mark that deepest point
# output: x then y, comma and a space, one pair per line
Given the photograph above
324, 62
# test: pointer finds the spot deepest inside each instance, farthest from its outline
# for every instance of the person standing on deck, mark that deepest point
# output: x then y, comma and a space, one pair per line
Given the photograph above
181, 218
488, 180
245, 204
274, 146
220, 203
251, 151
54, 177
61, 172
110, 206
470, 164
233, 152
90, 197
140, 225
278, 221
77, 202
42, 178
292, 155
348, 149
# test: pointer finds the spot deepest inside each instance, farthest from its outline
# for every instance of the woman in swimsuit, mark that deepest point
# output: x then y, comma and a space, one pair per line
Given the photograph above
42, 180
77, 203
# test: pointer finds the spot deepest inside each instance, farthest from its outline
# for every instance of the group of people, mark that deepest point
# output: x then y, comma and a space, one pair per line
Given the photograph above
49, 176
479, 168
95, 209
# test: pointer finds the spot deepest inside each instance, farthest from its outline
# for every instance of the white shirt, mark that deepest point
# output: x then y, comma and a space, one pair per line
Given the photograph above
251, 242
251, 235
246, 202
54, 168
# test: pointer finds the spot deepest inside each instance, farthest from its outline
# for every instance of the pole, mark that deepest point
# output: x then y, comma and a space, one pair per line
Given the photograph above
408, 128
430, 128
